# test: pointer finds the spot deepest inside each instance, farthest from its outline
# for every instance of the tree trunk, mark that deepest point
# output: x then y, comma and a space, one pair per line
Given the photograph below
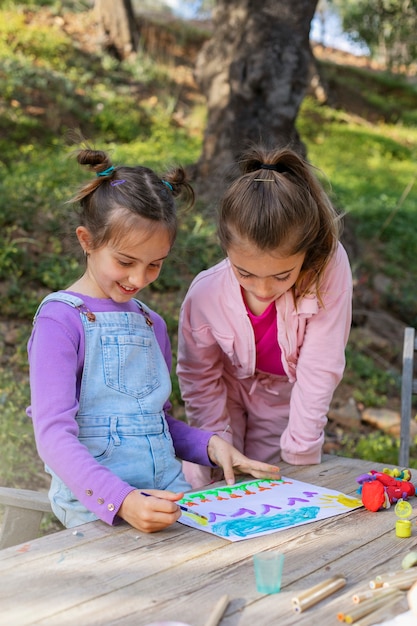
254, 72
118, 31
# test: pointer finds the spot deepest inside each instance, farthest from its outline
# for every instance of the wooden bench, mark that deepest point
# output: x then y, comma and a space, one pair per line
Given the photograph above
22, 516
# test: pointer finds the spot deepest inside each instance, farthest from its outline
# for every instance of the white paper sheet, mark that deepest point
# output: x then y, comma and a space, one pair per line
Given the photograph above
260, 507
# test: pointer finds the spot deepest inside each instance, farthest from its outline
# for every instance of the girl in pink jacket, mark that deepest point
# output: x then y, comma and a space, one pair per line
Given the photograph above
262, 334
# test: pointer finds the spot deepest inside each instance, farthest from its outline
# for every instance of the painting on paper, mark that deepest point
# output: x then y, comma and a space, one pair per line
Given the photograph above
259, 507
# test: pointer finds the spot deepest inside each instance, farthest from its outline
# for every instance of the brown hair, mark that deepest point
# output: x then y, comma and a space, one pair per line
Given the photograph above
278, 202
118, 193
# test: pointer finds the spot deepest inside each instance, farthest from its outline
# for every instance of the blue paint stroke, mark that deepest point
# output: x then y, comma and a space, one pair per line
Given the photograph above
252, 526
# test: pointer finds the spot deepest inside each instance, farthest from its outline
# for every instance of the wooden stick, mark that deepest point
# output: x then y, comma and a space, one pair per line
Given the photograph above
218, 611
318, 592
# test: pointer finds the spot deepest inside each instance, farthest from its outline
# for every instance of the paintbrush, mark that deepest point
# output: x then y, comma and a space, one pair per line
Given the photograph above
182, 507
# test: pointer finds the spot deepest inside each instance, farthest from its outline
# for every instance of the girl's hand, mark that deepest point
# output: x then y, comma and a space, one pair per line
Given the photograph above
150, 514
229, 458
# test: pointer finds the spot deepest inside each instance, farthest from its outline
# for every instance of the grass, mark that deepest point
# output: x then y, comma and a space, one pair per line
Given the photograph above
375, 183
141, 112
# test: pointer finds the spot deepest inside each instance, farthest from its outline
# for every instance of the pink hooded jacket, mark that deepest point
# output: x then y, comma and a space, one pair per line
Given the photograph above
215, 334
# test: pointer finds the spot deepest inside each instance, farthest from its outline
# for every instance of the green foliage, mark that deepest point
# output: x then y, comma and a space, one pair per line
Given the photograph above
38, 45
374, 181
371, 383
195, 249
384, 96
131, 122
55, 6
378, 448
37, 175
18, 461
387, 27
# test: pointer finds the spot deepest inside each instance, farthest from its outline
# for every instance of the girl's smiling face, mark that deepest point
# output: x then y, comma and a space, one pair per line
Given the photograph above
121, 268
263, 276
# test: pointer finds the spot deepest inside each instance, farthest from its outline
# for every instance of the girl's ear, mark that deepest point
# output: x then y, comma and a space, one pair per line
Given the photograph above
84, 237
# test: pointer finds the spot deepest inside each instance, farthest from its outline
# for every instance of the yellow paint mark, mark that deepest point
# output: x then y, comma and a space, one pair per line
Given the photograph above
197, 519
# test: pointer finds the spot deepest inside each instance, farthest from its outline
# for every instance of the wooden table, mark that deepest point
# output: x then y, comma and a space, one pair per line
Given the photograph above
117, 575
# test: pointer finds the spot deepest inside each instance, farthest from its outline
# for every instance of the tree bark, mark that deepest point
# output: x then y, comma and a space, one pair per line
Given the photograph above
254, 72
118, 31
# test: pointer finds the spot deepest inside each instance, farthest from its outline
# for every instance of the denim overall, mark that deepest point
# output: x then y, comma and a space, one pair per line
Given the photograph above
124, 386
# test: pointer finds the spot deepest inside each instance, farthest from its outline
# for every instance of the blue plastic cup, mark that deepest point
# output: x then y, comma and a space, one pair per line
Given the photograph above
268, 568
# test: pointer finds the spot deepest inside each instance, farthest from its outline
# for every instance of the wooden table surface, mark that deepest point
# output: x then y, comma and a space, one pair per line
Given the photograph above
117, 575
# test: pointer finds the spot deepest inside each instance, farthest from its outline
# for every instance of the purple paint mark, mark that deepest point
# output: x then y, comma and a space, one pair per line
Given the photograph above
213, 516
292, 501
243, 511
267, 507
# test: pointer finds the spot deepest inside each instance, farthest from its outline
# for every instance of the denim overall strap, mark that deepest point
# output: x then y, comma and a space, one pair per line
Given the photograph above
124, 387
59, 296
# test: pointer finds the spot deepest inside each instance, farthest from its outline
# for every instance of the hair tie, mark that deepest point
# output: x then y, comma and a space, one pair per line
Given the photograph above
276, 167
268, 166
168, 185
106, 172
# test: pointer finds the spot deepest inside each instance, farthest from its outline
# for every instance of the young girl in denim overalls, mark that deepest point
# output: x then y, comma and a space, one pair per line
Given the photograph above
100, 364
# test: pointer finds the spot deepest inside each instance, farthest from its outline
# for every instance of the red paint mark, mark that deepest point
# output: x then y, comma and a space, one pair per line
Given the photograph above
24, 548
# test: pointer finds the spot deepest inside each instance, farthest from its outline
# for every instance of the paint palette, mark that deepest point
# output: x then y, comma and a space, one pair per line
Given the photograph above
259, 507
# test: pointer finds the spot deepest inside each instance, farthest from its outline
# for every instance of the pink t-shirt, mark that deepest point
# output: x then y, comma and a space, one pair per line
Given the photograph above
268, 352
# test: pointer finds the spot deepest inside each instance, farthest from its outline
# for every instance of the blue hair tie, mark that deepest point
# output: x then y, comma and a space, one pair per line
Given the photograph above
168, 185
106, 172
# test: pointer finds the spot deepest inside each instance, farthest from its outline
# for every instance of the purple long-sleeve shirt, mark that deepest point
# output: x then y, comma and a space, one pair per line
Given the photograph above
56, 358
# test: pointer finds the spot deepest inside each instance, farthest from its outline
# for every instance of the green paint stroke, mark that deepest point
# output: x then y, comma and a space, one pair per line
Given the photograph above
230, 491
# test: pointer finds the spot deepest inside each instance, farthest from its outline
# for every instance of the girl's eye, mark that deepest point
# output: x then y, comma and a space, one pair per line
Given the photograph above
278, 278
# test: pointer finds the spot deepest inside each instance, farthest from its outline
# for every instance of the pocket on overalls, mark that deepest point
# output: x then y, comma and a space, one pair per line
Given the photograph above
99, 436
130, 364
